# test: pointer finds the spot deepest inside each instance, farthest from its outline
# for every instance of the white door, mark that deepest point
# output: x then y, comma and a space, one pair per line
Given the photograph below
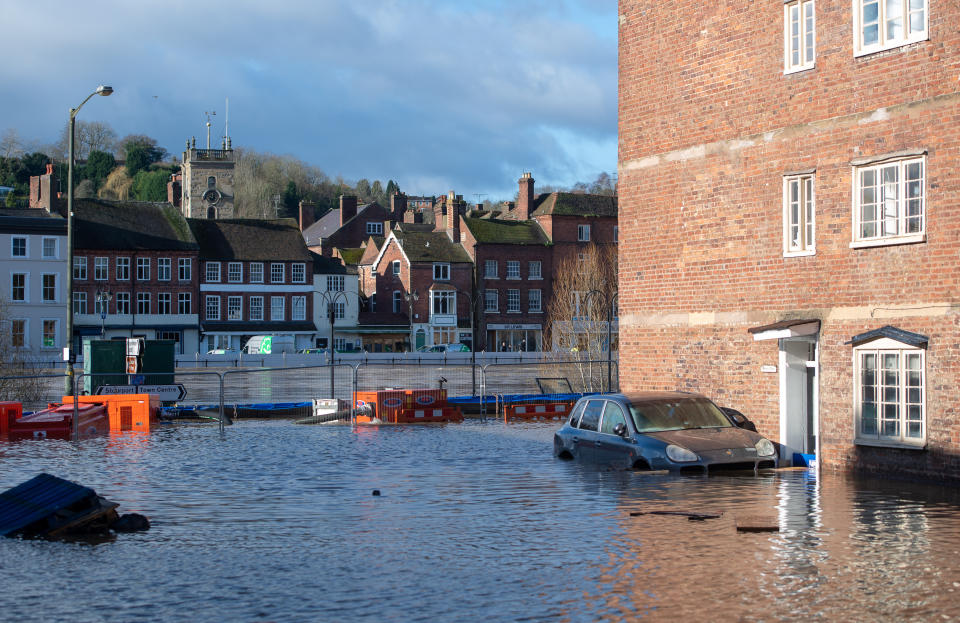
798, 397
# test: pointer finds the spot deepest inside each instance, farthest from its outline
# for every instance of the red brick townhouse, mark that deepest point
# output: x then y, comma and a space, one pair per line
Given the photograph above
788, 180
134, 272
256, 278
348, 226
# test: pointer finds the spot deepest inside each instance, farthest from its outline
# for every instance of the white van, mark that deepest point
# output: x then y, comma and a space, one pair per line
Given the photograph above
269, 345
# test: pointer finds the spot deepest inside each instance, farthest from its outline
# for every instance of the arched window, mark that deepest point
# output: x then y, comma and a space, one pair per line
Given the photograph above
211, 212
211, 182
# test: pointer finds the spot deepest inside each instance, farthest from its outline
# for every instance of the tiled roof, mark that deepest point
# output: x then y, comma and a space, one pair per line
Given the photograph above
131, 225
328, 224
430, 247
250, 239
894, 333
495, 231
327, 265
28, 221
575, 204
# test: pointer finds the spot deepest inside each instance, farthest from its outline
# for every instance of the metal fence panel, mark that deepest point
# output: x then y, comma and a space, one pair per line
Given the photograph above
274, 385
459, 379
35, 391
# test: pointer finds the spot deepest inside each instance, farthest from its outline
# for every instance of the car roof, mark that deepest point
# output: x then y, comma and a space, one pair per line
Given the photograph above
650, 396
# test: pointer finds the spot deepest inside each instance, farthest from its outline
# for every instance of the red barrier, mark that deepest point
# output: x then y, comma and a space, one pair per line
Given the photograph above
537, 411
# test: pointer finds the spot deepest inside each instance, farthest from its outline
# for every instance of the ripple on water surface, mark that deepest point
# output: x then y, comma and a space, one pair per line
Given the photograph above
277, 522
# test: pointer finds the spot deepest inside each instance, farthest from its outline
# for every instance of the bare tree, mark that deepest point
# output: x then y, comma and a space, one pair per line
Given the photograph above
583, 300
19, 371
10, 144
88, 136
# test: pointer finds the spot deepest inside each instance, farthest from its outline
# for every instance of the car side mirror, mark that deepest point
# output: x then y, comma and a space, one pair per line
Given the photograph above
738, 419
620, 430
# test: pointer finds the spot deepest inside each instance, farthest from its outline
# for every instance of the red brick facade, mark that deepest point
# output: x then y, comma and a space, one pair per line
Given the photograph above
710, 127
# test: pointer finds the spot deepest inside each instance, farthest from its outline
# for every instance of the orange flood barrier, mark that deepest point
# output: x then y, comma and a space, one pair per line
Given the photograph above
138, 412
407, 406
537, 411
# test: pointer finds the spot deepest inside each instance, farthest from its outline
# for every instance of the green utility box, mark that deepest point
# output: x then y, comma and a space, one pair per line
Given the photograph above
105, 362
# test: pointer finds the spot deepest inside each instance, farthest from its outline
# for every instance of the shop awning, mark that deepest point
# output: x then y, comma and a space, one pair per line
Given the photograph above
786, 328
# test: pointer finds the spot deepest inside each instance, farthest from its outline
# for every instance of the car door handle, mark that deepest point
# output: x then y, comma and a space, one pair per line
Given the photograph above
576, 440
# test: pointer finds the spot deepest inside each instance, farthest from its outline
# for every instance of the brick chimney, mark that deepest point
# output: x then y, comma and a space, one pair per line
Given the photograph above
175, 189
398, 206
348, 208
525, 198
306, 214
42, 191
454, 210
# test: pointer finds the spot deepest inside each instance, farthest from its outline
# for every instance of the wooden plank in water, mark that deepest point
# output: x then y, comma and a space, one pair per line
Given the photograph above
757, 523
691, 515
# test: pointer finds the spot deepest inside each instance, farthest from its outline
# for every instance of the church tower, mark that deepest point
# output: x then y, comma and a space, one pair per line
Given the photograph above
207, 184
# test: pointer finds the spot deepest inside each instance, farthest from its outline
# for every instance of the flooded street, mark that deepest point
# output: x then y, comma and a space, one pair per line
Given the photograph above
276, 522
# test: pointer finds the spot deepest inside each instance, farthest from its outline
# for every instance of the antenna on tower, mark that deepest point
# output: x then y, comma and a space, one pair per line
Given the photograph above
209, 114
226, 122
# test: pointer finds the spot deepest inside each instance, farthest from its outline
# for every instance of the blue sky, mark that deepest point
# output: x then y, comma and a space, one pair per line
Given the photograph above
437, 94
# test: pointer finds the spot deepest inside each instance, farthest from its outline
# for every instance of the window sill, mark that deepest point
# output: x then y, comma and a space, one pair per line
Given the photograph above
886, 242
491, 311
534, 311
890, 46
513, 278
534, 278
799, 69
805, 253
489, 277
515, 312
898, 445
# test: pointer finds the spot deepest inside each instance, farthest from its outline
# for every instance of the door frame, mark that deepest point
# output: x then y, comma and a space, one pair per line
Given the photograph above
786, 455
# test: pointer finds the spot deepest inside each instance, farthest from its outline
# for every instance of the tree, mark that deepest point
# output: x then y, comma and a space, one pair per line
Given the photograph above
150, 185
291, 198
376, 193
85, 190
10, 144
363, 189
149, 144
99, 165
138, 159
117, 185
392, 188
17, 362
88, 136
34, 164
584, 290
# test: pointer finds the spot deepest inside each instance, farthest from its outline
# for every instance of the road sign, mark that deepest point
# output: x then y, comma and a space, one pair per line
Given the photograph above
116, 389
167, 393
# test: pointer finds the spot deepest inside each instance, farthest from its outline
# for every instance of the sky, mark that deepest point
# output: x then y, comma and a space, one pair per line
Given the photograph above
438, 95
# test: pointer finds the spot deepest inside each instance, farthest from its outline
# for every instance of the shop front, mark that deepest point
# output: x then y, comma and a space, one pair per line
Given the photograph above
514, 337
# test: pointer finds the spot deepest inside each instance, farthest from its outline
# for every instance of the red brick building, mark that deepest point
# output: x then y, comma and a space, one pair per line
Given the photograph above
787, 176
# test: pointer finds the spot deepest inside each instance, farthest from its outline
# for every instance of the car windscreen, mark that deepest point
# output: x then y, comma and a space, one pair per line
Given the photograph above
676, 414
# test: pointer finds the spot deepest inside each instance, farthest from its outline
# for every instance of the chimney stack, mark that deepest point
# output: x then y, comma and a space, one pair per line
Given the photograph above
454, 210
525, 198
398, 205
307, 209
348, 208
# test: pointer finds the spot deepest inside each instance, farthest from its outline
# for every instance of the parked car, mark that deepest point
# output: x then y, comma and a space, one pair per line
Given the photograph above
312, 351
661, 430
444, 348
222, 351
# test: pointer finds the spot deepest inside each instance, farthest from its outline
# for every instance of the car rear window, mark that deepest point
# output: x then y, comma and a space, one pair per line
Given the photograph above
577, 412
591, 415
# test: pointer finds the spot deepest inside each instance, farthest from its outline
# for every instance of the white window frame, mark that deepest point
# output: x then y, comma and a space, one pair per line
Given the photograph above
513, 301
335, 283
212, 272
13, 246
490, 269
395, 267
902, 399
298, 272
211, 307
583, 233
397, 301
441, 271
234, 308
184, 269
535, 300
256, 272
164, 269
43, 288
122, 303
143, 269
535, 270
440, 299
799, 215
298, 308
164, 303
184, 304
122, 268
513, 269
101, 268
79, 302
23, 334
277, 308
799, 36
56, 332
25, 287
374, 228
278, 273
256, 308
235, 272
883, 43
79, 268
491, 301
901, 219
144, 302
56, 248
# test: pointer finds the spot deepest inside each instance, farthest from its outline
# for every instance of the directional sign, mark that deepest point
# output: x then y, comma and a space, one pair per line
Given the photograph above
116, 389
167, 393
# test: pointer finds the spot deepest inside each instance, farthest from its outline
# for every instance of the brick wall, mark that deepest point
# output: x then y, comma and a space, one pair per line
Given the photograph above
709, 125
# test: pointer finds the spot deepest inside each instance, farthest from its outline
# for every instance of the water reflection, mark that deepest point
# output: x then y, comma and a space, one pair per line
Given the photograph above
277, 522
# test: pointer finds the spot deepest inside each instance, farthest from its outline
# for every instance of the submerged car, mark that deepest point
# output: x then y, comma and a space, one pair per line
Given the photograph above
661, 430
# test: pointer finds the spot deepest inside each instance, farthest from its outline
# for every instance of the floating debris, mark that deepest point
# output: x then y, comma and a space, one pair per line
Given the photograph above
757, 523
691, 515
376, 492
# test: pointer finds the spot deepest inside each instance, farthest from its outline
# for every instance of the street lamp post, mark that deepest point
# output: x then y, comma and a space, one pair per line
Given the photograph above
331, 297
473, 338
608, 304
70, 354
103, 301
410, 298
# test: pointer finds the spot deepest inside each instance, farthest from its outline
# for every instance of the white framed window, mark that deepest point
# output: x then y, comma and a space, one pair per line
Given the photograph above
143, 269
513, 269
490, 269
256, 272
79, 302
101, 305
616, 234
798, 215
79, 269
799, 35
535, 270
441, 272
374, 229
164, 303
884, 24
298, 308
397, 301
535, 301
48, 334
51, 248
298, 272
277, 311
18, 287
122, 301
234, 308
339, 310
48, 289
18, 246
212, 307
212, 274
184, 304
339, 343
890, 392
143, 302
334, 283
395, 265
277, 273
256, 308
18, 333
513, 301
123, 269
234, 272
185, 268
888, 203
100, 268
164, 268
583, 233
443, 301
491, 302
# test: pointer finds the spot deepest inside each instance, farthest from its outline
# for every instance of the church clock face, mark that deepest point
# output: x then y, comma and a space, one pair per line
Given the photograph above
212, 196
